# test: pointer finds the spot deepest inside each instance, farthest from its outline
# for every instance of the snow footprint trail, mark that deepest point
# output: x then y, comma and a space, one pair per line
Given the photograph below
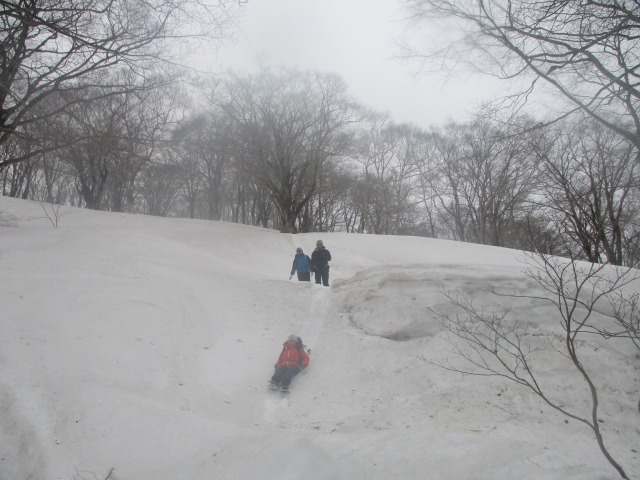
274, 403
320, 303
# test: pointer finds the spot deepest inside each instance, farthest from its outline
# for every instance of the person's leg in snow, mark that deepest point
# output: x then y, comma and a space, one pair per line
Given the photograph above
289, 373
283, 376
322, 277
278, 376
304, 276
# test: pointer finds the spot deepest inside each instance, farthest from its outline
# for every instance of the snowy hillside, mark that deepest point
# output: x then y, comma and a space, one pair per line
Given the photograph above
139, 348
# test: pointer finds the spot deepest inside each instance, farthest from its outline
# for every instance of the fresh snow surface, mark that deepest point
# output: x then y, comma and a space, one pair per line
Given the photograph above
139, 348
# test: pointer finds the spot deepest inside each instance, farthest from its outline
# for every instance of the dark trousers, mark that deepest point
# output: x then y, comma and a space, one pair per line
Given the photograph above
284, 374
322, 276
304, 276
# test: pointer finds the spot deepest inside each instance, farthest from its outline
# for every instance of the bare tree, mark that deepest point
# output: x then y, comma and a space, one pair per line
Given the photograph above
390, 159
427, 180
532, 231
480, 175
494, 345
43, 177
206, 140
289, 123
333, 208
625, 310
52, 212
52, 46
589, 189
444, 180
376, 154
107, 140
16, 179
498, 174
158, 186
585, 51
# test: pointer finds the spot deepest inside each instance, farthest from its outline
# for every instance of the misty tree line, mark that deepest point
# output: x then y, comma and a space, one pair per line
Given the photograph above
93, 113
291, 150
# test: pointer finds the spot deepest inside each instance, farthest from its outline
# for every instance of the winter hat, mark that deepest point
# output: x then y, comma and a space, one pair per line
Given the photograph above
298, 250
292, 338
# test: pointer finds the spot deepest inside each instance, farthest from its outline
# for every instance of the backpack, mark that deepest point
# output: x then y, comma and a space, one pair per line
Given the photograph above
302, 346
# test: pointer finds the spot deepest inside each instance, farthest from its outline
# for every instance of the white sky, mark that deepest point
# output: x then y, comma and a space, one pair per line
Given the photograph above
358, 40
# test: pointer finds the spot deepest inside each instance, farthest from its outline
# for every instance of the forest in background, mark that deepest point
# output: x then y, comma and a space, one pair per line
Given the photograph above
109, 122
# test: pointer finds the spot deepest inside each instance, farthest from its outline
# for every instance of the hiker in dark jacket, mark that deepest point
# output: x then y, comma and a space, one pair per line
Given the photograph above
320, 263
302, 265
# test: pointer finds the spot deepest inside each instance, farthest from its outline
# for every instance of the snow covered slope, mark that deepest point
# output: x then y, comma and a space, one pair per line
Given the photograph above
139, 348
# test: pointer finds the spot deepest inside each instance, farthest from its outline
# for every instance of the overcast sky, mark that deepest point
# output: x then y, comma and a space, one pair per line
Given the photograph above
358, 40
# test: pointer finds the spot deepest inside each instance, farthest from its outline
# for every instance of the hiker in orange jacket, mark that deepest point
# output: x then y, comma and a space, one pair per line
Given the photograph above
291, 361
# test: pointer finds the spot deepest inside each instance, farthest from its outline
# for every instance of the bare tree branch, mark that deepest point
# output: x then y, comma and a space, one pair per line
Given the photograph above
48, 46
492, 345
586, 51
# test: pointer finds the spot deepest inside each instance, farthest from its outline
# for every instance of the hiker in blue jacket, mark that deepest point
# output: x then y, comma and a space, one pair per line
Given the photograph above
302, 265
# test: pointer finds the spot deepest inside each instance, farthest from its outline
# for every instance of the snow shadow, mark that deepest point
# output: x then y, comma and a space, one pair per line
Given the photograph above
396, 302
